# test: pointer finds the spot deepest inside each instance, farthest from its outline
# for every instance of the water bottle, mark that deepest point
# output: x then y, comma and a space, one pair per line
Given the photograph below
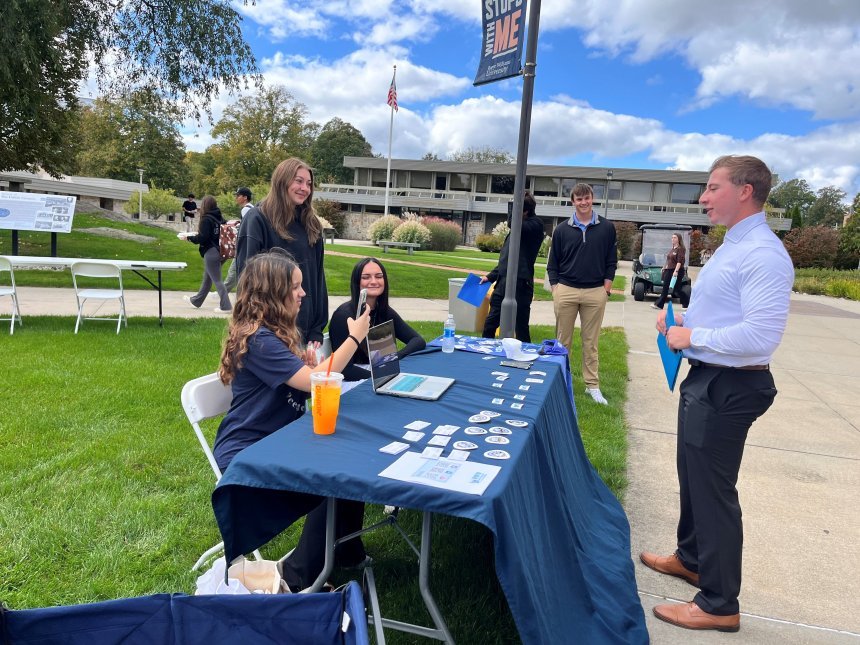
448, 335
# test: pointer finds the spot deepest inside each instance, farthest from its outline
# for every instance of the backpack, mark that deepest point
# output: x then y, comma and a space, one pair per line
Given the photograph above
227, 237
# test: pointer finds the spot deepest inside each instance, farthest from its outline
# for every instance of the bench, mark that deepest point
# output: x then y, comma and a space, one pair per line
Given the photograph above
329, 233
409, 246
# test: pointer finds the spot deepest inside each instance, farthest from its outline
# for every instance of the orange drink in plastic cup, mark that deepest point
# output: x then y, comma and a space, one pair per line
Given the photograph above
325, 393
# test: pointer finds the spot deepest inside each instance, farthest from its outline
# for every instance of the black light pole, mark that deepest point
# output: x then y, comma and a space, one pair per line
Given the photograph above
509, 304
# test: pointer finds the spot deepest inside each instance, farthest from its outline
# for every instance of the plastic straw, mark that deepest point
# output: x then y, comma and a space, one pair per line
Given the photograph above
331, 358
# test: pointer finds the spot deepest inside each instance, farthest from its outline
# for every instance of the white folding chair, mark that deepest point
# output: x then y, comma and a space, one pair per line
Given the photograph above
6, 265
98, 270
204, 398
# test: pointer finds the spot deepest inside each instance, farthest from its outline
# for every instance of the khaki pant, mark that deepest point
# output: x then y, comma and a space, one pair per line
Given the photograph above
589, 305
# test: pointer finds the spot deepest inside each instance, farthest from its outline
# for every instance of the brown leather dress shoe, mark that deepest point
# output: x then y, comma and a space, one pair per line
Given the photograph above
670, 565
691, 616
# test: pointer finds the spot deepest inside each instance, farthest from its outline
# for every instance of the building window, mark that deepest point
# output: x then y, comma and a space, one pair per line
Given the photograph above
419, 179
378, 178
502, 185
614, 190
399, 178
461, 181
363, 177
637, 191
481, 183
661, 192
686, 193
546, 186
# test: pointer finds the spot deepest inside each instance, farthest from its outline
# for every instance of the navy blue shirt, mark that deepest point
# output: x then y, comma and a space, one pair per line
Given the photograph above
262, 400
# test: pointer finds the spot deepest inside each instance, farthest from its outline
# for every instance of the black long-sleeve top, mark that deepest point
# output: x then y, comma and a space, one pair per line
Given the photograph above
257, 235
531, 237
338, 332
583, 259
210, 228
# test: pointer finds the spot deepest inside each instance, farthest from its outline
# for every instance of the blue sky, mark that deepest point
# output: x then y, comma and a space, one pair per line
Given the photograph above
626, 84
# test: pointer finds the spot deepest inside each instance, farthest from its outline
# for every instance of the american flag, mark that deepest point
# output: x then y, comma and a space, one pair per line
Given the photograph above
392, 95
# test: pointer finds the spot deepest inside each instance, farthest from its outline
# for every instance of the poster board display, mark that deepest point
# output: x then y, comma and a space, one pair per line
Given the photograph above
36, 212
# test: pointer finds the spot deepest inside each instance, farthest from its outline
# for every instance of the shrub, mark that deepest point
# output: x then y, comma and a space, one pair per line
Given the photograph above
697, 245
625, 233
383, 228
501, 230
715, 236
490, 243
330, 211
828, 282
543, 251
412, 231
812, 246
444, 234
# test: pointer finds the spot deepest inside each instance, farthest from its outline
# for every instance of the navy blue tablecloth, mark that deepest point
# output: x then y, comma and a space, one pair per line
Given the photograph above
562, 539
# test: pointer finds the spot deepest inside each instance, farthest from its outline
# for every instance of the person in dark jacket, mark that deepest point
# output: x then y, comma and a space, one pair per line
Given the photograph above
370, 274
531, 237
285, 219
581, 266
207, 239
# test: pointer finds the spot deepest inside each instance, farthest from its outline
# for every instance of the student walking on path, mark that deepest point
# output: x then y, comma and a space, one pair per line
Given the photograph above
207, 239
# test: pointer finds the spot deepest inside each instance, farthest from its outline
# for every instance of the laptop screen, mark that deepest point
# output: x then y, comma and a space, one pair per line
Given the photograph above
382, 345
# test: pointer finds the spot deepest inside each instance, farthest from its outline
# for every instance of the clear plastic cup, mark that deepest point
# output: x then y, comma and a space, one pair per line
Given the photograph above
325, 400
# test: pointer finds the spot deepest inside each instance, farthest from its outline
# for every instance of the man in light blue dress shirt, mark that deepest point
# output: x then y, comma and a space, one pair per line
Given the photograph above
734, 323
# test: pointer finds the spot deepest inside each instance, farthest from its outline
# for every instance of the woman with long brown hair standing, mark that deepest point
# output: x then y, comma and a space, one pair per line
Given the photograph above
673, 267
285, 219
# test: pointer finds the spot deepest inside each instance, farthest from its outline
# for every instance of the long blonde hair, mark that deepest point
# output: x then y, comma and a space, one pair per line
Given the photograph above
278, 209
264, 298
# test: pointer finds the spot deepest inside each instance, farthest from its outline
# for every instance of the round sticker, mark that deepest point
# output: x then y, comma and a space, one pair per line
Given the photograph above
475, 430
500, 430
465, 445
490, 413
479, 418
517, 423
497, 454
497, 439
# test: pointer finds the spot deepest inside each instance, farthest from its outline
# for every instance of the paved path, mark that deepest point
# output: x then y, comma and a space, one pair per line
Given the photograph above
799, 484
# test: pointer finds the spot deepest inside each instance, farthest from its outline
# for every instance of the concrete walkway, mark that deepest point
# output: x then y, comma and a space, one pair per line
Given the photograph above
799, 484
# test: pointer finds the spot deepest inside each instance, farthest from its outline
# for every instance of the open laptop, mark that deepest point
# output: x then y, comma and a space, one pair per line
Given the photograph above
385, 369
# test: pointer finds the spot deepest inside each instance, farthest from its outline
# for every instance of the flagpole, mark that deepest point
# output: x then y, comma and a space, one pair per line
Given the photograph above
390, 132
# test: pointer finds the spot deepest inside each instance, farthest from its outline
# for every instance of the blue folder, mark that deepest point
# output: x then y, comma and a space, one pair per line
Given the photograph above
473, 291
671, 359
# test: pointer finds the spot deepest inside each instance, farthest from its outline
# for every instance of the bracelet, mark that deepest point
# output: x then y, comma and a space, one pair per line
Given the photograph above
357, 342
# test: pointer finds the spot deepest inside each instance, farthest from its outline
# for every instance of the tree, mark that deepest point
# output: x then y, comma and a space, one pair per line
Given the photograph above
848, 253
796, 217
156, 203
486, 154
119, 135
188, 51
828, 209
795, 192
338, 139
257, 132
430, 156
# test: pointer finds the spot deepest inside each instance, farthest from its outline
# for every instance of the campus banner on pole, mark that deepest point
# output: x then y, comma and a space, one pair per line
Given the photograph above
36, 212
503, 24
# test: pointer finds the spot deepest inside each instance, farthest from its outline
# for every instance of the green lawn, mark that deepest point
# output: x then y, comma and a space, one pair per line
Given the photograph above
105, 493
408, 281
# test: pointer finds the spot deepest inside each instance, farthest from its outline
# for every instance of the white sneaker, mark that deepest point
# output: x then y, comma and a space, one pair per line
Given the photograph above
218, 310
188, 300
653, 306
597, 396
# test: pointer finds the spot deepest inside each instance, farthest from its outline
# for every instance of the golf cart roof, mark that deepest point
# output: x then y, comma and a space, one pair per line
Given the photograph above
666, 227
